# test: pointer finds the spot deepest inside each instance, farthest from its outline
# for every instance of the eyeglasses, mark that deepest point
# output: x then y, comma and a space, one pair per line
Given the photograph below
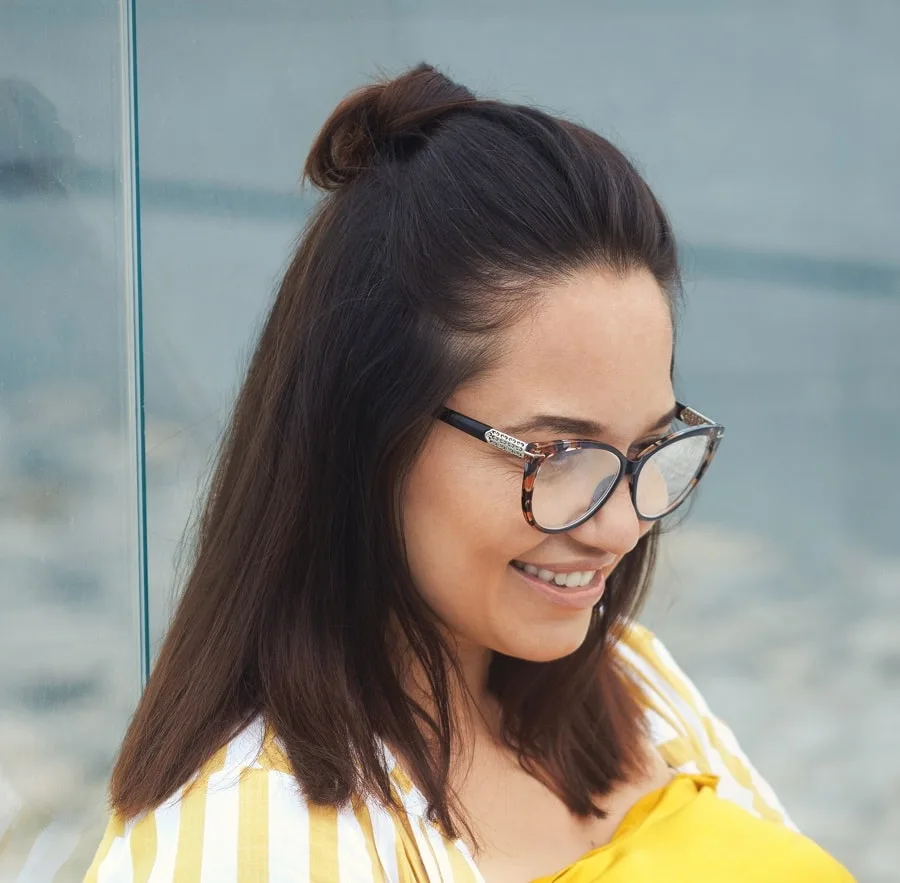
565, 482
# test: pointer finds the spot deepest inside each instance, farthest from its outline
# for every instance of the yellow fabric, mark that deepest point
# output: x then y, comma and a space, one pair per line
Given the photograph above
243, 819
686, 733
685, 833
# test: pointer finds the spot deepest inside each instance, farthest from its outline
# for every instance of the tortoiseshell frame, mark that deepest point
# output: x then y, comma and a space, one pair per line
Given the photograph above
534, 453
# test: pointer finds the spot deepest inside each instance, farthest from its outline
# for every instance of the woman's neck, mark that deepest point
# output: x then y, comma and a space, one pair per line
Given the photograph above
475, 712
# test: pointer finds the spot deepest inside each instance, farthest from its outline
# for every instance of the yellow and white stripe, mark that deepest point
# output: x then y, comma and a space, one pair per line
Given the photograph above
243, 818
687, 734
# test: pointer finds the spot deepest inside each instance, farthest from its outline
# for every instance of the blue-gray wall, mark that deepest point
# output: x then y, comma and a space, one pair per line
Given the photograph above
771, 131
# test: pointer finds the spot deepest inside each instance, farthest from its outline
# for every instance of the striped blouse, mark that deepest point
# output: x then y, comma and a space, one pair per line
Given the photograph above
244, 820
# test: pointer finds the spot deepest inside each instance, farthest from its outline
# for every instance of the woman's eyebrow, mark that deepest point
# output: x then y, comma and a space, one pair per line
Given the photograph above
575, 427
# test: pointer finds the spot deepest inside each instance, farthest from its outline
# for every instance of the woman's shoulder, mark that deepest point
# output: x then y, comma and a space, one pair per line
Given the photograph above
204, 828
244, 817
686, 731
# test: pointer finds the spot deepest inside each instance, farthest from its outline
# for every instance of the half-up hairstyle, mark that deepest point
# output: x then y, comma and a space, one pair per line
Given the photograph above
444, 217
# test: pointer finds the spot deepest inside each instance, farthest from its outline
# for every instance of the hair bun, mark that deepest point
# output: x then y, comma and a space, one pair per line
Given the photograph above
381, 120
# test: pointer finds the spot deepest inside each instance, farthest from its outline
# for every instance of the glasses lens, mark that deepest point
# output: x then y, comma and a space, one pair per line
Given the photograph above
665, 478
570, 483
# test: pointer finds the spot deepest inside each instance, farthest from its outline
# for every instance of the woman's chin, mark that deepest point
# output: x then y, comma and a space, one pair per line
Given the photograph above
550, 643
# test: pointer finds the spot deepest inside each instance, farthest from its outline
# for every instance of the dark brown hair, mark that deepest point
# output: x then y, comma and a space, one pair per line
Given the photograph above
444, 216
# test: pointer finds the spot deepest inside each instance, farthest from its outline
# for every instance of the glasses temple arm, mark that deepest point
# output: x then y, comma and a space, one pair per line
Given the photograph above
691, 417
472, 427
494, 437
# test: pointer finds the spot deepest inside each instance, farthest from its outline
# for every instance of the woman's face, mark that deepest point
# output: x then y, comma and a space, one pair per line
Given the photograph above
596, 349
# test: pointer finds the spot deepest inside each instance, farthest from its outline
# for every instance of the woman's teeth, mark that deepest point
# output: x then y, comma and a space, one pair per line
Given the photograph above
575, 579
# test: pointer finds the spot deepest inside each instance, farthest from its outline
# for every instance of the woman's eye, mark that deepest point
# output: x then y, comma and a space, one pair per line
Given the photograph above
562, 461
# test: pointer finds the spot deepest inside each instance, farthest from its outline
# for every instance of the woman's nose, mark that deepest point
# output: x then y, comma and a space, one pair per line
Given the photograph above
615, 527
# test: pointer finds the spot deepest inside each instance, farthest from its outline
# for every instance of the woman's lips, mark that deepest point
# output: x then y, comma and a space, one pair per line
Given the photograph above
576, 598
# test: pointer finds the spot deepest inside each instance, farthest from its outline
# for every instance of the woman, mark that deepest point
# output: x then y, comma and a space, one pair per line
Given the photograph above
407, 648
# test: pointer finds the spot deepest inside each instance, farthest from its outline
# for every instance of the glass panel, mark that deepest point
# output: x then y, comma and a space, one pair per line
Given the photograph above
69, 659
222, 147
764, 128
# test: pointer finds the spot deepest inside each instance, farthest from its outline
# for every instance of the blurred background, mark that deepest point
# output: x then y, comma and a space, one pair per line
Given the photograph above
771, 132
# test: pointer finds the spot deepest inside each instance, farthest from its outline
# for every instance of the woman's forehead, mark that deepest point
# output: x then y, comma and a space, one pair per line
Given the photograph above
597, 311
597, 347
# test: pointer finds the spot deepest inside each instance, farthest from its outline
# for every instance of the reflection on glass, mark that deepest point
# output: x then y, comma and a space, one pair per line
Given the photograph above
68, 643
